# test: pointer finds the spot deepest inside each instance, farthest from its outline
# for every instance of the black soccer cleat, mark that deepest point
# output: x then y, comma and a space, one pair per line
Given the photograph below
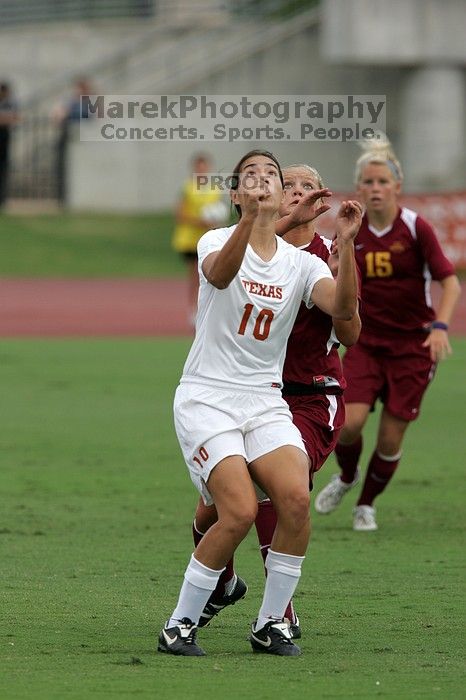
274, 638
295, 629
180, 640
213, 608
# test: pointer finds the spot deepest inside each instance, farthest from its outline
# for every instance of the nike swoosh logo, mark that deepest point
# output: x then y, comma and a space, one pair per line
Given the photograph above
359, 246
168, 639
261, 641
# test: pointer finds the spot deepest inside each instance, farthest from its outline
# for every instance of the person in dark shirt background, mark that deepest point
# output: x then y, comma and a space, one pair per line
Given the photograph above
65, 115
9, 116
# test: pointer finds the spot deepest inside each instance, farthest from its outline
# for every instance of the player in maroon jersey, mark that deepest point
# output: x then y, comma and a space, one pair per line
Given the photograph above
402, 338
313, 381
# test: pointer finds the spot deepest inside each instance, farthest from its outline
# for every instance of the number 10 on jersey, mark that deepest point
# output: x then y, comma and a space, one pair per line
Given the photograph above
262, 323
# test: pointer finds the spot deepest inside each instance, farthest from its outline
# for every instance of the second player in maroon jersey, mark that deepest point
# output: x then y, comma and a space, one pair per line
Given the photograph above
397, 265
402, 337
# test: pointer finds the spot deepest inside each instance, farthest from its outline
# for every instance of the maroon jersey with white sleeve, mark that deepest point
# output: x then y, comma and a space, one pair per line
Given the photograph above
397, 266
313, 346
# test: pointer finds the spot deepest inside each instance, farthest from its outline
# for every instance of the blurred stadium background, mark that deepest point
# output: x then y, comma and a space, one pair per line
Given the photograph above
107, 209
92, 545
412, 51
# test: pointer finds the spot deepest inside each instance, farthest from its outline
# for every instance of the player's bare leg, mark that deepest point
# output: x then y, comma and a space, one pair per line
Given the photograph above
230, 587
266, 523
284, 475
236, 502
391, 433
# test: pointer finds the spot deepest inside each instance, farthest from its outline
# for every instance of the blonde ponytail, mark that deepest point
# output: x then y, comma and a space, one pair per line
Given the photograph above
380, 152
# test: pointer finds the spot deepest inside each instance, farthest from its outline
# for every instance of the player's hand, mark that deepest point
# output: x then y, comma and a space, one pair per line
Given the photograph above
306, 210
257, 200
348, 221
438, 343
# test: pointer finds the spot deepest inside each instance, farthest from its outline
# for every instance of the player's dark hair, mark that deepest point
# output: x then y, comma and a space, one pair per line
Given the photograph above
237, 170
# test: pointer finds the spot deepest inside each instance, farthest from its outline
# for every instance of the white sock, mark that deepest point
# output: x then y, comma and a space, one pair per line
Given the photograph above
283, 572
199, 582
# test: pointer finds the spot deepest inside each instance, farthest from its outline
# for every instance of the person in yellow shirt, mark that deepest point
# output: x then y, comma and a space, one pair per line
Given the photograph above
198, 210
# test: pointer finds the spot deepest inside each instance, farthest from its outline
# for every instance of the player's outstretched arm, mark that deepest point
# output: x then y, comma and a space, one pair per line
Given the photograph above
340, 299
303, 212
348, 223
222, 266
348, 332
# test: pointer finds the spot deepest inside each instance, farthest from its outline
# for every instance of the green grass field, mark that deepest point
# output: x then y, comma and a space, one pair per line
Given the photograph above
96, 507
89, 246
92, 245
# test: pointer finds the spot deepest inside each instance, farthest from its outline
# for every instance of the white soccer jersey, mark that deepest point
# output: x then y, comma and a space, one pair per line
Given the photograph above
242, 331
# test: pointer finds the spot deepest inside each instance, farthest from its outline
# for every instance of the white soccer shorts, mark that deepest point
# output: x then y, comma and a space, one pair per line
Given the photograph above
214, 422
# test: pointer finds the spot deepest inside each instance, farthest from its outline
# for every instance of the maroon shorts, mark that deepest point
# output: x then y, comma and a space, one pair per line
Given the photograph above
319, 419
396, 371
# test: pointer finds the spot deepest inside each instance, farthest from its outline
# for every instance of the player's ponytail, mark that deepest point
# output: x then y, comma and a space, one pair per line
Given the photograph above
378, 151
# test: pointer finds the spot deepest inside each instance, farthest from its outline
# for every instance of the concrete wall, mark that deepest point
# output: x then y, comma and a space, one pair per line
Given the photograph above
33, 57
425, 40
425, 88
394, 32
148, 176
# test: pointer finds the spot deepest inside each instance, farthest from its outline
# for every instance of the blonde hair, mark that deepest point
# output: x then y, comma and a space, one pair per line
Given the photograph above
380, 152
312, 171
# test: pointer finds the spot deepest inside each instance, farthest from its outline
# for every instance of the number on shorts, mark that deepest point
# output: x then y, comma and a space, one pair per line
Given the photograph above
261, 328
203, 454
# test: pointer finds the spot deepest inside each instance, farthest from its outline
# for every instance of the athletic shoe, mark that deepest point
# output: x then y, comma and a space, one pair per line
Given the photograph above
213, 608
331, 495
295, 629
274, 638
364, 518
180, 640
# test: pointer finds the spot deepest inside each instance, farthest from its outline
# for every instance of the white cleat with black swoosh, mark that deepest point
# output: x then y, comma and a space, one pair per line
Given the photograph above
180, 640
274, 638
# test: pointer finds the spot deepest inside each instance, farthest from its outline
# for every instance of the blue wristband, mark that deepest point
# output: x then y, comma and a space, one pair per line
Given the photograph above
439, 325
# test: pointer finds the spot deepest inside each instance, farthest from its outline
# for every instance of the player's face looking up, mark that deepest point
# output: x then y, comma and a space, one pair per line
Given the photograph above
258, 175
297, 183
378, 189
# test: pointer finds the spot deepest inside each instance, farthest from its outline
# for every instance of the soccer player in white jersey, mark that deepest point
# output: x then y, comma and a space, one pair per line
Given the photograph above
234, 428
313, 381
